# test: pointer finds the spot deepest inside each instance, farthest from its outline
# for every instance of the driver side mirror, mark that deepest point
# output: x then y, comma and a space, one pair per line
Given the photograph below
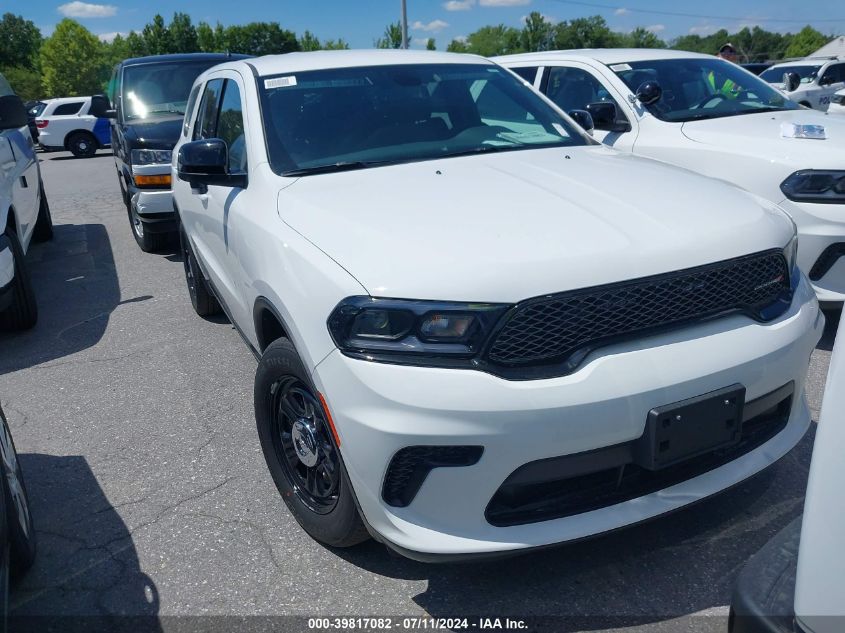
583, 118
606, 117
206, 162
12, 113
100, 107
649, 92
791, 81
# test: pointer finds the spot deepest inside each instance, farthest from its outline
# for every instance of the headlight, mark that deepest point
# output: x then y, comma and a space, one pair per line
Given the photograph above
401, 330
815, 185
151, 156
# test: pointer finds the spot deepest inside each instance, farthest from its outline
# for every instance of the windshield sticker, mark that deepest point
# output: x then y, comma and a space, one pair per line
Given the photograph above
618, 68
800, 130
280, 82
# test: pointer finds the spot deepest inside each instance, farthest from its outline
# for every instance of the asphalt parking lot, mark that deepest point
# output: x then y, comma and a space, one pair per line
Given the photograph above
134, 422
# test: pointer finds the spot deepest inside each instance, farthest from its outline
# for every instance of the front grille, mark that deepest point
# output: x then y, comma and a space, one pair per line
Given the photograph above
411, 465
564, 328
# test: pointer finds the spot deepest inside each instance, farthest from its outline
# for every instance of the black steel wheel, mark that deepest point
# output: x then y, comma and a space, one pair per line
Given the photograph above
82, 144
21, 533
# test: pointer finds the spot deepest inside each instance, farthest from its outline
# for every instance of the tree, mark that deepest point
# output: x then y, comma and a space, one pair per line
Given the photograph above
642, 38
71, 61
430, 44
26, 82
457, 46
592, 32
392, 36
807, 41
335, 45
20, 41
157, 39
494, 40
135, 45
206, 38
260, 38
183, 35
309, 42
538, 33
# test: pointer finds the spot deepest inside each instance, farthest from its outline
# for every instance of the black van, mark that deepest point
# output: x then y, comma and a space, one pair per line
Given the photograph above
150, 96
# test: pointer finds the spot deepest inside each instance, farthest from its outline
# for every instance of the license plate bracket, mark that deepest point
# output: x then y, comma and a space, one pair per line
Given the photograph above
683, 430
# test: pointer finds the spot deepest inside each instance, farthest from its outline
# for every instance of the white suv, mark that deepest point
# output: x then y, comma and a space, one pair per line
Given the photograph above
24, 212
478, 329
76, 124
818, 80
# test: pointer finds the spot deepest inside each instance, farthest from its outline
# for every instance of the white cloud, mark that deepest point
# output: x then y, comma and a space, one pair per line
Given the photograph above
435, 26
108, 37
78, 9
503, 3
622, 11
703, 29
458, 5
656, 28
461, 38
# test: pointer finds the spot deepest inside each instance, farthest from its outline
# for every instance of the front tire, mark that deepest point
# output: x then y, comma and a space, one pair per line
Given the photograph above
23, 313
204, 302
147, 242
82, 144
43, 231
21, 533
300, 451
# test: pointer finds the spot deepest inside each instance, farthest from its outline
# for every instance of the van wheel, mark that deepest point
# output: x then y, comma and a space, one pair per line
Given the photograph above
43, 231
148, 242
204, 302
23, 313
82, 144
300, 450
21, 533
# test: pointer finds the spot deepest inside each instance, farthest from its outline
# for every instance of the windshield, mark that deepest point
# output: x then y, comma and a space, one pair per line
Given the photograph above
702, 89
775, 75
361, 117
159, 88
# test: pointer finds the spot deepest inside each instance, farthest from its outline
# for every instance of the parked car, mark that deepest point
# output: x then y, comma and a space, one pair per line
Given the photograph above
663, 104
33, 109
469, 343
74, 124
794, 583
837, 103
149, 96
815, 80
756, 67
17, 534
24, 212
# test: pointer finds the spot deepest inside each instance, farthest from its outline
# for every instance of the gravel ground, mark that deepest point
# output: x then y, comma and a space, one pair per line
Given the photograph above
134, 422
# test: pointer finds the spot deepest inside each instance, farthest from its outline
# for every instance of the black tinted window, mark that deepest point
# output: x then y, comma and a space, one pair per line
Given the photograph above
833, 74
573, 89
68, 108
206, 125
528, 73
230, 126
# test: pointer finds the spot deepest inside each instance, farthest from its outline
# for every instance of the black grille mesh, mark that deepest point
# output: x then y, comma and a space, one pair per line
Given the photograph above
410, 466
552, 329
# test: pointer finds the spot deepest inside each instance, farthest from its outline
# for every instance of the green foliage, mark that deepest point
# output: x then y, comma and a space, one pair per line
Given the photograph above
494, 40
157, 38
183, 35
260, 38
592, 32
309, 42
430, 44
20, 41
26, 82
335, 45
392, 37
71, 61
807, 41
642, 38
538, 33
457, 46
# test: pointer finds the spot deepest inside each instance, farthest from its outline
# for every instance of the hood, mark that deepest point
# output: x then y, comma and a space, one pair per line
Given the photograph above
156, 133
509, 226
760, 134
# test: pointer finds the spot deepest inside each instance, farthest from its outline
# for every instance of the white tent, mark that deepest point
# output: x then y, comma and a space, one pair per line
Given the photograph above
833, 48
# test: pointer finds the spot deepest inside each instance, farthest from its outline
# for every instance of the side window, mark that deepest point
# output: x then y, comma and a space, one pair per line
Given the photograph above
230, 126
68, 108
528, 73
189, 110
574, 88
206, 125
832, 75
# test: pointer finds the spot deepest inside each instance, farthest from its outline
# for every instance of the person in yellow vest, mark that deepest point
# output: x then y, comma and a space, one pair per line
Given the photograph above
725, 87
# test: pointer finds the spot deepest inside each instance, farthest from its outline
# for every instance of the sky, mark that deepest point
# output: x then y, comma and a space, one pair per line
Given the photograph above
360, 22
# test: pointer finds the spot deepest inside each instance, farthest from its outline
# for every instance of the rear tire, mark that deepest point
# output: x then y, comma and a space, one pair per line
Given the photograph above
43, 231
319, 496
204, 302
82, 144
23, 313
21, 533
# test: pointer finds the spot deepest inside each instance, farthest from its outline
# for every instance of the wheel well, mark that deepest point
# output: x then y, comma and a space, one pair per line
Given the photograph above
10, 221
268, 326
86, 132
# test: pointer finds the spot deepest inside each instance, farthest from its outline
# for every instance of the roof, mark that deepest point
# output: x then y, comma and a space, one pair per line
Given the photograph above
604, 55
60, 100
183, 57
834, 47
800, 62
319, 60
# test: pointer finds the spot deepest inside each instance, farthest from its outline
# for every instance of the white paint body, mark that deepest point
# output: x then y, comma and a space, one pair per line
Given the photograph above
837, 104
521, 224
746, 150
816, 92
60, 126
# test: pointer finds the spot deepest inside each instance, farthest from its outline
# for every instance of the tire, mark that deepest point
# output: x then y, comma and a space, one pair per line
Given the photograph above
21, 533
82, 144
147, 242
331, 516
204, 302
43, 230
23, 313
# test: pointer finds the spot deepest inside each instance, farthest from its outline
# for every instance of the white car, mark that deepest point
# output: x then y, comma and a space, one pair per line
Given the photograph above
24, 212
76, 124
714, 118
794, 583
837, 103
818, 79
479, 330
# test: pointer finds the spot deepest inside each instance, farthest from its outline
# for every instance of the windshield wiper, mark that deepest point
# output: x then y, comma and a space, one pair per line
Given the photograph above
333, 167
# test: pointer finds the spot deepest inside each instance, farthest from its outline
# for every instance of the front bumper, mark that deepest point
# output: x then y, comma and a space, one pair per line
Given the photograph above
155, 209
379, 409
821, 226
